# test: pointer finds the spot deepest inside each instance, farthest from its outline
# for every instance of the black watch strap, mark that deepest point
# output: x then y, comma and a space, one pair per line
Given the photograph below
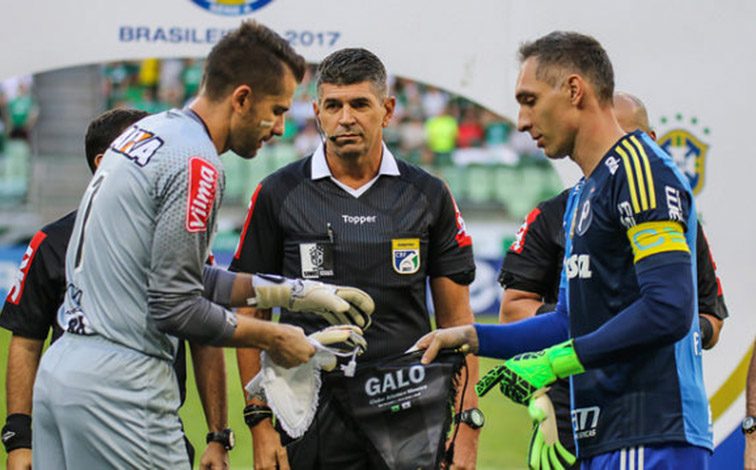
253, 414
748, 425
225, 437
472, 417
17, 433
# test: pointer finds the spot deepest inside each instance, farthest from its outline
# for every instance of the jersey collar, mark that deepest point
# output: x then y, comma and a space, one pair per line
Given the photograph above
319, 170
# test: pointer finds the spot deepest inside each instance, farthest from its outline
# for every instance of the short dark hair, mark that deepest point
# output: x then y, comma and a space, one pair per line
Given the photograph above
350, 66
252, 55
104, 129
562, 52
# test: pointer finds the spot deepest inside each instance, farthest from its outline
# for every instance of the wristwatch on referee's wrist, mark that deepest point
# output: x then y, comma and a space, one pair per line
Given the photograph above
225, 437
472, 417
748, 425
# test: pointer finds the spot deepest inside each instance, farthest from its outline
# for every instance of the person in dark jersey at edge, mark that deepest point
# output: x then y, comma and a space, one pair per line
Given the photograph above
533, 263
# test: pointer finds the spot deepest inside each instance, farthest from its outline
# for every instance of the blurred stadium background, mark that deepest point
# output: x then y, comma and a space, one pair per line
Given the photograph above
496, 175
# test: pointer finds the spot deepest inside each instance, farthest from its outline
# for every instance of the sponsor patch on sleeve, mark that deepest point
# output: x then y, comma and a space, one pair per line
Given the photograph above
462, 238
137, 144
250, 210
17, 288
519, 242
203, 183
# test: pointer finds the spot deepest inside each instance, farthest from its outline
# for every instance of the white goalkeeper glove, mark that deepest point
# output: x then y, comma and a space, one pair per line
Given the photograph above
339, 305
546, 452
292, 394
340, 340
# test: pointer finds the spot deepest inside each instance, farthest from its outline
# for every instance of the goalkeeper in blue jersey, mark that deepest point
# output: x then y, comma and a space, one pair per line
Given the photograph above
623, 328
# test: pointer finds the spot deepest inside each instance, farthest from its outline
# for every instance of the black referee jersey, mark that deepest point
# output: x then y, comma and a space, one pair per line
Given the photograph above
388, 241
31, 308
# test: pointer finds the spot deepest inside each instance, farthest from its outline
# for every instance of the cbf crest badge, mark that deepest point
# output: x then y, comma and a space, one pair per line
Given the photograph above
231, 7
405, 255
686, 149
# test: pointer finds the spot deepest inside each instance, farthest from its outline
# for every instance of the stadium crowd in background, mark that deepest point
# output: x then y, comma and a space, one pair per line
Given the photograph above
18, 109
429, 125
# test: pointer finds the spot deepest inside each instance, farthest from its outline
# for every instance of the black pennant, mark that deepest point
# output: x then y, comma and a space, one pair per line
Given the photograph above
402, 408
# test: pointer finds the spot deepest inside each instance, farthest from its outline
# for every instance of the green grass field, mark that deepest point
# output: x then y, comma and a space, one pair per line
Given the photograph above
503, 442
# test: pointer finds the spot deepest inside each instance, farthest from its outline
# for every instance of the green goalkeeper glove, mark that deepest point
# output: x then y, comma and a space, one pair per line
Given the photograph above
546, 452
339, 305
521, 376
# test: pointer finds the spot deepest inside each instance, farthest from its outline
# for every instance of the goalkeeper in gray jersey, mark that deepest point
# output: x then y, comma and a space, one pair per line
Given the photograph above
105, 394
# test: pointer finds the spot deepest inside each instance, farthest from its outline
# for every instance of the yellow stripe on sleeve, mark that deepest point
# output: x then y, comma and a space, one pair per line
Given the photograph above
638, 174
630, 179
650, 238
649, 176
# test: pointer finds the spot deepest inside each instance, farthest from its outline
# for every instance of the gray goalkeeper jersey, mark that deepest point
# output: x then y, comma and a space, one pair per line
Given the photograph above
143, 232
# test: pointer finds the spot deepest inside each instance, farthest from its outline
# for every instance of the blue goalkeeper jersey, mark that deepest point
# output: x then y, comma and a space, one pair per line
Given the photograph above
634, 206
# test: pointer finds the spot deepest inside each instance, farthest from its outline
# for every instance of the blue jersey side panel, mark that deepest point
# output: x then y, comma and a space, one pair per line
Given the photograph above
688, 351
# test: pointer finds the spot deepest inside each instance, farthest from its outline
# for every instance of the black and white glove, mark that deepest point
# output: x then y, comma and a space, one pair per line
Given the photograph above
339, 305
342, 337
339, 340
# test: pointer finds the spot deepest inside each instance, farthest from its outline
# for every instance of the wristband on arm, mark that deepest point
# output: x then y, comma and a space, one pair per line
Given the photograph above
17, 432
707, 330
546, 308
253, 414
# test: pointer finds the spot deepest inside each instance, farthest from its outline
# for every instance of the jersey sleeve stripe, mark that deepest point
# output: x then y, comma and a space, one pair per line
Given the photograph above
630, 179
17, 288
647, 167
650, 238
638, 174
246, 222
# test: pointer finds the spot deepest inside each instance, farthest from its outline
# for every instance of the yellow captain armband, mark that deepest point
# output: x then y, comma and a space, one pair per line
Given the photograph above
650, 238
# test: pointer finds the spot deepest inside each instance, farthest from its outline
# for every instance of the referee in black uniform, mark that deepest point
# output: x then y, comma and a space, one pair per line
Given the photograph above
531, 272
31, 308
353, 214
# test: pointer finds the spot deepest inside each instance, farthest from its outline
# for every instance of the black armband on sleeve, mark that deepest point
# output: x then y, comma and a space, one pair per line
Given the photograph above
707, 330
510, 280
464, 278
546, 308
17, 433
